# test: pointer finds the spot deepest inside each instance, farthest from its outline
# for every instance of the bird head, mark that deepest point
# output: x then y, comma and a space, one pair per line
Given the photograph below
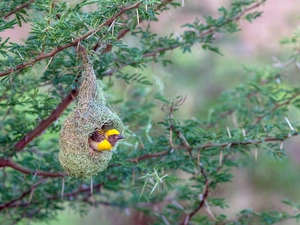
113, 136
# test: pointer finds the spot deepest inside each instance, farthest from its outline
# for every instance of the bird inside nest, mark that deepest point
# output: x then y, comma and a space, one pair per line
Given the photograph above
101, 140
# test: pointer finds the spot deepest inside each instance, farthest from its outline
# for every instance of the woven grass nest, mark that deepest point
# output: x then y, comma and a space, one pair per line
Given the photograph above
90, 113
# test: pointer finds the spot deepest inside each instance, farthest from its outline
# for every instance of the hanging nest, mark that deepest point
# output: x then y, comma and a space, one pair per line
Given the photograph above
90, 113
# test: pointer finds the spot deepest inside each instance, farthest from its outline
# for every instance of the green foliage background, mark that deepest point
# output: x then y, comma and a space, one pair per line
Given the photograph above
170, 165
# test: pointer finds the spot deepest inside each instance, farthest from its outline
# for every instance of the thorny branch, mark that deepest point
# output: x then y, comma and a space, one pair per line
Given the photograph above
61, 107
110, 72
209, 31
52, 53
172, 47
202, 198
236, 18
184, 144
276, 106
123, 32
18, 8
173, 107
67, 196
254, 92
58, 111
71, 96
75, 42
55, 114
8, 163
15, 166
15, 201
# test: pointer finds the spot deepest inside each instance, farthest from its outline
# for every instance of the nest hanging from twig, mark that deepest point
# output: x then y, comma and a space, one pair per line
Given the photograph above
90, 113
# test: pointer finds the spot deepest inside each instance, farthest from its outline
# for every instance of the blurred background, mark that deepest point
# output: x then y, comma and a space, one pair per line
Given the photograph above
202, 76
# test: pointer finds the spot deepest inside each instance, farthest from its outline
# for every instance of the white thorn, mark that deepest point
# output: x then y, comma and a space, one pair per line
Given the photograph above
228, 131
255, 154
281, 145
137, 16
278, 80
288, 122
244, 132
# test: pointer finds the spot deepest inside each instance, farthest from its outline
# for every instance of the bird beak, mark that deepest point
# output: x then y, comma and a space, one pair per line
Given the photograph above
120, 137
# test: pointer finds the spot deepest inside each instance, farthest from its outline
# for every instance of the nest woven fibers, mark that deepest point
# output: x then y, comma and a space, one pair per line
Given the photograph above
90, 113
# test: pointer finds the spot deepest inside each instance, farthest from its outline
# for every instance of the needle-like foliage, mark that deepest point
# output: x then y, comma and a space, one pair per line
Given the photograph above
166, 168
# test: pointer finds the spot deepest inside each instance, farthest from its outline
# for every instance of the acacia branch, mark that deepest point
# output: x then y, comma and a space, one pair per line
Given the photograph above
172, 47
108, 48
71, 96
18, 8
110, 72
25, 193
236, 18
248, 142
186, 145
202, 200
75, 42
212, 145
15, 166
16, 203
75, 193
56, 113
42, 56
207, 32
123, 32
8, 163
148, 156
275, 107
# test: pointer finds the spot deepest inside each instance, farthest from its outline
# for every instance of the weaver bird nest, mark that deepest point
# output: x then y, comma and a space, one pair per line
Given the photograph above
90, 113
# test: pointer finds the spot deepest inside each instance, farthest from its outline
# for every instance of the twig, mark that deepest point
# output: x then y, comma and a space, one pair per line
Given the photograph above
18, 8
159, 50
8, 163
7, 204
68, 99
211, 145
148, 156
146, 55
275, 107
123, 32
75, 42
13, 165
236, 18
73, 194
164, 49
258, 119
47, 122
202, 201
44, 124
108, 22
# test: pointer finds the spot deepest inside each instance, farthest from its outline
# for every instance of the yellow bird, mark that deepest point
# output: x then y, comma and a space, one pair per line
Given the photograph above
103, 140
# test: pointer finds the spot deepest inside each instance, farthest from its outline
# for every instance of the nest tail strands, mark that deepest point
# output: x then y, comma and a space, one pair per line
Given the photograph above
89, 114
